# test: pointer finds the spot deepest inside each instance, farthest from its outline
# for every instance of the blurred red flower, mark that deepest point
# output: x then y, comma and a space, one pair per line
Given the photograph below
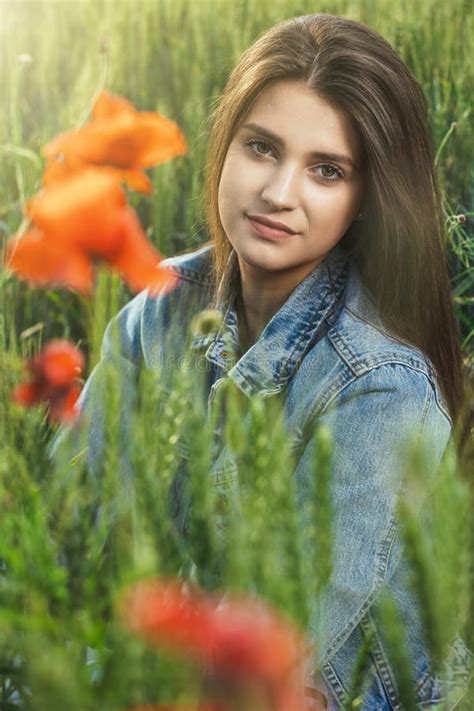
118, 139
239, 640
84, 218
53, 375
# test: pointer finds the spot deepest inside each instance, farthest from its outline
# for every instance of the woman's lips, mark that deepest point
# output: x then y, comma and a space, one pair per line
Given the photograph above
269, 232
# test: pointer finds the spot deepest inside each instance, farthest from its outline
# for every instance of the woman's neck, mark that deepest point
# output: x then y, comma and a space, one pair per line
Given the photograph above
255, 307
260, 295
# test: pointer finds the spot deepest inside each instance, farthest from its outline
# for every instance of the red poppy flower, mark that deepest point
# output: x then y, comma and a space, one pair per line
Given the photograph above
44, 263
118, 139
239, 640
81, 219
53, 375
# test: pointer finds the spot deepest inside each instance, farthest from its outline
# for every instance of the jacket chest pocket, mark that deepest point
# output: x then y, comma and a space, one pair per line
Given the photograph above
224, 480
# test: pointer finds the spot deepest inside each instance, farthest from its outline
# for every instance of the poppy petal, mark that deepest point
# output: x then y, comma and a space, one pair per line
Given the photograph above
58, 170
62, 362
53, 373
55, 171
243, 639
81, 212
124, 140
63, 405
108, 141
137, 180
27, 394
162, 613
162, 139
44, 263
108, 104
58, 145
138, 261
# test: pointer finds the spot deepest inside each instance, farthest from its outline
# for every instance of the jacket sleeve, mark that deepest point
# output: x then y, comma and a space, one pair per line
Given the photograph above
372, 420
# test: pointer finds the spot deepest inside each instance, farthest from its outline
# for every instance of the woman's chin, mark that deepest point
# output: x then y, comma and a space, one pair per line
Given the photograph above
263, 255
259, 259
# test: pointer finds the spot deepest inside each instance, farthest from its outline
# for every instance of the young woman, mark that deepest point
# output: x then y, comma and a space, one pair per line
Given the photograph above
327, 260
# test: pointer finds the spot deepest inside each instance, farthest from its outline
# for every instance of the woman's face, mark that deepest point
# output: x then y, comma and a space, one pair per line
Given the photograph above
277, 177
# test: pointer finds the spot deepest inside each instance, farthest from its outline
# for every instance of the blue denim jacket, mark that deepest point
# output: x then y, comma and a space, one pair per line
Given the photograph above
328, 353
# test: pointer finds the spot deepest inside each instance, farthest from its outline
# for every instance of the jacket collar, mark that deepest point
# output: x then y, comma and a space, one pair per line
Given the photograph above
270, 362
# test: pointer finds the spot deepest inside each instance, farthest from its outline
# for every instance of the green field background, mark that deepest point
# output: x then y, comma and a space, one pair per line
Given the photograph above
174, 56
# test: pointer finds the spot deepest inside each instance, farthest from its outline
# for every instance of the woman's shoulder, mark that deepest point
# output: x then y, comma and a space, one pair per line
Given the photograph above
146, 319
371, 355
365, 339
192, 265
193, 291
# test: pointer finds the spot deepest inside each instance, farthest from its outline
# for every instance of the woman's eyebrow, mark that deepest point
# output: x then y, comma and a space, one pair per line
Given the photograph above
315, 154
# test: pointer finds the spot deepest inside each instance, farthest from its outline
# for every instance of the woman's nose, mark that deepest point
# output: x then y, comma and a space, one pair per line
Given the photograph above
282, 189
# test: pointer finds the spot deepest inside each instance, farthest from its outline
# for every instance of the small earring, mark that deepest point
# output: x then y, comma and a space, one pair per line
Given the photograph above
359, 217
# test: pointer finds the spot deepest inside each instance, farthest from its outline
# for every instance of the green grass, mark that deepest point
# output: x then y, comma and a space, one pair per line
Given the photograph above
174, 56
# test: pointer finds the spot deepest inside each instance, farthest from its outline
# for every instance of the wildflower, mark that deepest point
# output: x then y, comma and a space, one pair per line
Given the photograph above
117, 139
44, 263
206, 322
53, 375
81, 219
243, 645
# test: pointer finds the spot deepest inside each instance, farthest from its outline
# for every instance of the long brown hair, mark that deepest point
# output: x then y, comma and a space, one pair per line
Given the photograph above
400, 248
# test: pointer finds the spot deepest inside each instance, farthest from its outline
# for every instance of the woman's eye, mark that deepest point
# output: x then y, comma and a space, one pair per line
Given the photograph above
335, 175
254, 142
